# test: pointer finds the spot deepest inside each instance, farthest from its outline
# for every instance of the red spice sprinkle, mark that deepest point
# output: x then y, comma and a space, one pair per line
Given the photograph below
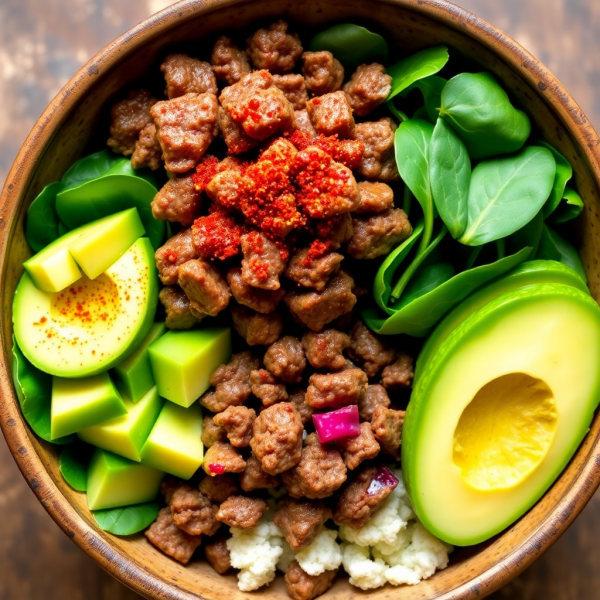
317, 248
216, 468
216, 235
205, 171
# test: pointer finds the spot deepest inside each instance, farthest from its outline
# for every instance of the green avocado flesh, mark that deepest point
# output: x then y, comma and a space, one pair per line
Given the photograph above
92, 325
500, 408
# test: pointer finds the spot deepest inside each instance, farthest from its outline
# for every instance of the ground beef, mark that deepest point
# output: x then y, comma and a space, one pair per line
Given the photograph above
360, 447
303, 123
298, 399
187, 75
147, 153
277, 441
204, 285
335, 231
217, 555
129, 117
316, 309
323, 73
257, 329
320, 472
293, 88
324, 350
219, 487
285, 359
378, 161
211, 432
369, 350
177, 201
374, 197
387, 427
171, 540
262, 263
222, 458
266, 388
176, 251
312, 272
192, 511
186, 127
229, 63
331, 114
254, 478
377, 234
335, 390
237, 422
275, 49
179, 313
300, 520
237, 140
262, 301
242, 512
226, 187
375, 395
302, 586
368, 87
399, 374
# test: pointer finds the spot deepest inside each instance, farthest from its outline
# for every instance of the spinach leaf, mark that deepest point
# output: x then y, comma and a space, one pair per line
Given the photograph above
398, 114
351, 44
73, 464
127, 520
529, 235
42, 226
480, 111
427, 278
570, 209
564, 172
450, 175
431, 87
554, 247
506, 193
421, 114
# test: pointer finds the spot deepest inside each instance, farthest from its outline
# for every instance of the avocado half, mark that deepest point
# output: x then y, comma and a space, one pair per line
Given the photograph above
500, 408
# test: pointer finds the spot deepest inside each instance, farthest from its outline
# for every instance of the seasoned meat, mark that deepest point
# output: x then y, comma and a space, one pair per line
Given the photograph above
222, 458
277, 441
257, 329
262, 263
204, 285
368, 87
374, 197
192, 511
334, 390
303, 123
323, 72
320, 472
229, 63
377, 234
275, 49
293, 88
331, 114
254, 478
176, 251
369, 350
186, 127
357, 448
211, 432
177, 201
266, 388
237, 140
237, 422
219, 487
147, 153
171, 540
217, 555
387, 427
302, 586
187, 75
285, 359
336, 231
316, 309
262, 301
313, 272
226, 187
324, 350
375, 395
298, 399
378, 160
180, 314
399, 374
301, 520
242, 512
129, 117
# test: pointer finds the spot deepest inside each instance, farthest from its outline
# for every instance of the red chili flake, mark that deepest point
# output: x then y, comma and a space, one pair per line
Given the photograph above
317, 249
205, 171
301, 138
216, 468
347, 152
216, 235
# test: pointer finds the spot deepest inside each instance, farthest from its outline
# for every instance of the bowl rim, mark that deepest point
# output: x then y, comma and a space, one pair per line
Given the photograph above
12, 424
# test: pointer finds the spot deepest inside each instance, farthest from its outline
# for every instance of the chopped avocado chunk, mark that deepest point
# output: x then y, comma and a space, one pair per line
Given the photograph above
92, 325
115, 481
184, 361
81, 403
127, 434
174, 444
134, 374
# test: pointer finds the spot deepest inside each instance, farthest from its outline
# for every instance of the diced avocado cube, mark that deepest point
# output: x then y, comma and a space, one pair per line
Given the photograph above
126, 435
174, 443
134, 375
116, 481
184, 361
81, 403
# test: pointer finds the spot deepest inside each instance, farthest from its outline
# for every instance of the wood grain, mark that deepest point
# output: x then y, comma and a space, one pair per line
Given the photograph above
43, 43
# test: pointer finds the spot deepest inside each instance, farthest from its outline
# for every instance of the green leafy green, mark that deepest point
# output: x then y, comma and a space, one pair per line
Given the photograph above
529, 235
89, 167
73, 464
42, 226
127, 520
554, 247
431, 87
564, 172
570, 208
427, 278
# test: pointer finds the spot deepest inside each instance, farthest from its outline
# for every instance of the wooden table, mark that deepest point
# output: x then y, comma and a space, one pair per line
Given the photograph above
42, 43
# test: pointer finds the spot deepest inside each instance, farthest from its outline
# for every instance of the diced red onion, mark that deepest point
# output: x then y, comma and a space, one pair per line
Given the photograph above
336, 424
384, 478
216, 468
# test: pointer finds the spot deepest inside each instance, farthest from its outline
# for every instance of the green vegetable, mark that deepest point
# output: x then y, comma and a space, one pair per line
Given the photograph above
127, 520
90, 167
570, 209
450, 174
554, 247
564, 172
427, 278
481, 113
431, 87
73, 464
506, 193
43, 226
529, 235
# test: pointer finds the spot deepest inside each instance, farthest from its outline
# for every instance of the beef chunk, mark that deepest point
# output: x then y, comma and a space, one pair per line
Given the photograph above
147, 153
177, 201
335, 390
129, 117
313, 272
229, 63
217, 555
378, 161
187, 75
302, 586
186, 127
360, 447
222, 458
387, 427
377, 234
298, 399
266, 388
368, 87
262, 301
369, 350
226, 187
275, 49
285, 359
277, 441
237, 140
324, 350
262, 263
192, 511
303, 123
316, 309
301, 520
219, 487
204, 285
331, 114
171, 540
237, 422
374, 197
211, 432
180, 314
375, 395
176, 251
254, 478
323, 72
293, 88
319, 473
336, 231
399, 374
242, 512
257, 329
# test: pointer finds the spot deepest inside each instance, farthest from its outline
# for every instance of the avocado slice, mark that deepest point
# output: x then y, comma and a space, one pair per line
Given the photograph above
92, 325
500, 408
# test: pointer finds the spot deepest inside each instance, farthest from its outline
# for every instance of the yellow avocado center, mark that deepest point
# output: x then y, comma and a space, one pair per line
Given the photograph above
505, 432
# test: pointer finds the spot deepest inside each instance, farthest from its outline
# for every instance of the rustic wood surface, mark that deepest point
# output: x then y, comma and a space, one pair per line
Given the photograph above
42, 43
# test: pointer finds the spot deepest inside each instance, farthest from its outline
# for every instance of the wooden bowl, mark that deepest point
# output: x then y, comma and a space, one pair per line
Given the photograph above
73, 123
